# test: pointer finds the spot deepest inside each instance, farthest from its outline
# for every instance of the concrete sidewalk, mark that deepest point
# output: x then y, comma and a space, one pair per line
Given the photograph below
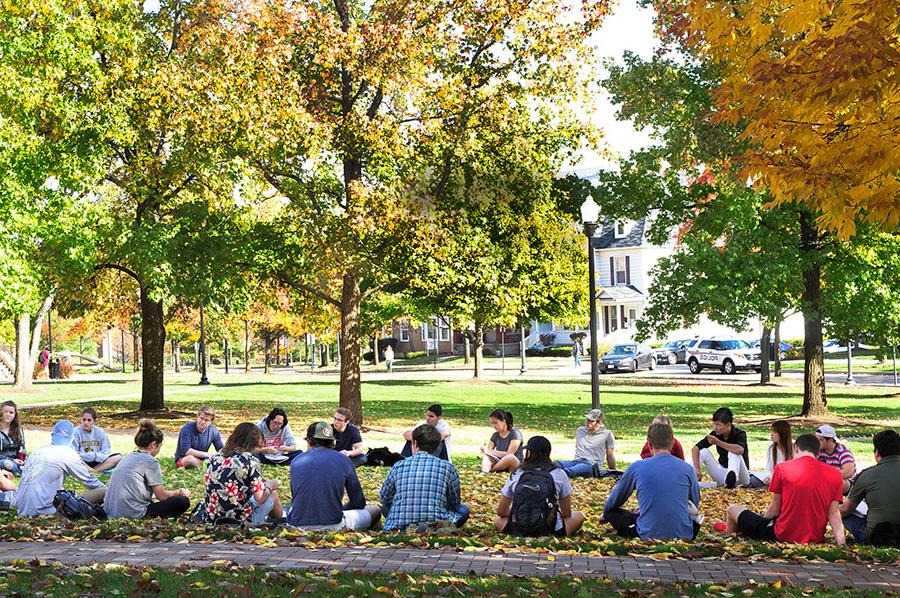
527, 564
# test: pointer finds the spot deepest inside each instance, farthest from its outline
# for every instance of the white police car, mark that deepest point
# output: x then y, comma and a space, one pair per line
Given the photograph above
729, 355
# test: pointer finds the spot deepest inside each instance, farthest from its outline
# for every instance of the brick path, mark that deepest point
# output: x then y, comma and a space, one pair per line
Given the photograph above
167, 554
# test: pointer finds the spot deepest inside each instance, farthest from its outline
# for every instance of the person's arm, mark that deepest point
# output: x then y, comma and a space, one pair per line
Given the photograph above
774, 509
836, 523
288, 444
453, 498
565, 507
848, 469
407, 435
184, 442
357, 450
445, 431
76, 468
731, 448
856, 496
611, 457
217, 439
77, 444
694, 491
504, 506
695, 455
621, 491
105, 447
161, 493
355, 497
388, 489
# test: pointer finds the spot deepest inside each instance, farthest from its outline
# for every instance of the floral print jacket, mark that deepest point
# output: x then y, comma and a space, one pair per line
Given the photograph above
230, 483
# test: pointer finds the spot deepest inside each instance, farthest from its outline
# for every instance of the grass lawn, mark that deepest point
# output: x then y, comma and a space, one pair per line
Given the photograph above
863, 364
33, 579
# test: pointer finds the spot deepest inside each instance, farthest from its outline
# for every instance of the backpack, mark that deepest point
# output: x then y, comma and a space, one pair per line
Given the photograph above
74, 507
886, 534
534, 504
381, 457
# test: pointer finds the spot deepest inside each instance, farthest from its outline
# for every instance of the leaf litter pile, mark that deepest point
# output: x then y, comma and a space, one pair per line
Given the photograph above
480, 492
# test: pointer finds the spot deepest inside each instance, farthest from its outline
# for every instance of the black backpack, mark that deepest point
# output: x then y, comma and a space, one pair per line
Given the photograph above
381, 457
74, 507
534, 504
886, 534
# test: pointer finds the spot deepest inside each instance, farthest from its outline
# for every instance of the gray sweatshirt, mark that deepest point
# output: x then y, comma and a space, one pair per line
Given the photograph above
44, 472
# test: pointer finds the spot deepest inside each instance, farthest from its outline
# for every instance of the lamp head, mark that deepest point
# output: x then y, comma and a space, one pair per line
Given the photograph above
590, 211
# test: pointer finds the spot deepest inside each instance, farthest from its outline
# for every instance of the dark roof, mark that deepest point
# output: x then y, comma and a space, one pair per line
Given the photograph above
622, 294
605, 238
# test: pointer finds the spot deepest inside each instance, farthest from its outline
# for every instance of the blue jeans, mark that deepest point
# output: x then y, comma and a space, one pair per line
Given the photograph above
857, 527
261, 511
463, 510
578, 468
10, 465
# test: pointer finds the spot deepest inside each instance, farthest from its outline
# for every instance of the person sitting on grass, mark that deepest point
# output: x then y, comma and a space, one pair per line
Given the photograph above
594, 442
434, 416
732, 466
236, 490
667, 490
347, 438
805, 496
677, 449
195, 438
832, 452
12, 439
280, 447
92, 443
319, 478
8, 491
422, 488
537, 498
879, 488
138, 480
47, 468
504, 450
781, 450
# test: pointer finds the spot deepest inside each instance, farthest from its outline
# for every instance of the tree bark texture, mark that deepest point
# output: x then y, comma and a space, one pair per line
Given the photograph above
176, 356
814, 400
267, 338
350, 392
28, 342
765, 348
136, 351
778, 349
246, 347
476, 336
153, 346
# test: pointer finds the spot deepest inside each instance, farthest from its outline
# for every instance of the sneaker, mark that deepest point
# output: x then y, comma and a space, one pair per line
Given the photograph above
720, 526
730, 479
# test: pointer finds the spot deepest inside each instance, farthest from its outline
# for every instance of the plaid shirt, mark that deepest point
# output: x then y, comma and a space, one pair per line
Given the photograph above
419, 489
840, 457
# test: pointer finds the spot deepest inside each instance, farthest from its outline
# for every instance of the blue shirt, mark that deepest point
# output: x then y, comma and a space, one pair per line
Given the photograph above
318, 480
191, 438
664, 486
344, 441
420, 489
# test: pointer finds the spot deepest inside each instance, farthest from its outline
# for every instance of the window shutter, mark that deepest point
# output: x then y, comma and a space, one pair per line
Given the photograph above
622, 318
612, 271
627, 270
606, 318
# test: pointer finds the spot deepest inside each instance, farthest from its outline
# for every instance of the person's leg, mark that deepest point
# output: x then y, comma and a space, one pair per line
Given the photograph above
732, 514
573, 523
623, 521
753, 525
109, 463
577, 468
261, 511
361, 519
170, 508
11, 466
7, 481
486, 464
9, 500
507, 463
359, 460
464, 512
94, 496
713, 467
189, 462
500, 522
277, 510
857, 526
739, 467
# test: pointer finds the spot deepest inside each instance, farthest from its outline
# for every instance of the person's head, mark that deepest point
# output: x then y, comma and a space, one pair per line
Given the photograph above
807, 444
433, 414
660, 437
722, 420
887, 444
827, 438
320, 434
537, 454
62, 433
149, 437
276, 420
341, 419
205, 417
9, 417
662, 419
246, 438
781, 438
593, 420
501, 420
425, 438
88, 417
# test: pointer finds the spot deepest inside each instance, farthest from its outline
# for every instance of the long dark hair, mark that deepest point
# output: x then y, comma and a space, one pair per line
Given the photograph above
504, 416
275, 412
537, 455
245, 438
15, 426
783, 429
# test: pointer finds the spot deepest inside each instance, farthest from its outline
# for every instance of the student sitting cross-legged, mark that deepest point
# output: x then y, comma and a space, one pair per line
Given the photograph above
537, 498
504, 450
92, 443
138, 480
667, 490
319, 479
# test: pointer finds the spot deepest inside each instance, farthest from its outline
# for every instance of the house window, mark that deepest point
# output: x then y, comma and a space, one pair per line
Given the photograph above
613, 319
623, 227
404, 332
632, 316
621, 271
424, 331
443, 327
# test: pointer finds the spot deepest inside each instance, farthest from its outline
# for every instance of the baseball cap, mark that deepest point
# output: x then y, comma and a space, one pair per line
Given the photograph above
826, 431
323, 431
594, 415
62, 432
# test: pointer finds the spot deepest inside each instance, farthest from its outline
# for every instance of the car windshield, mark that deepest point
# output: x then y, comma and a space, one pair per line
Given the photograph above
624, 349
731, 345
672, 344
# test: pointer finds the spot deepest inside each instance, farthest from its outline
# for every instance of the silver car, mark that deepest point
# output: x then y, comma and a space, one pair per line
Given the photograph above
628, 357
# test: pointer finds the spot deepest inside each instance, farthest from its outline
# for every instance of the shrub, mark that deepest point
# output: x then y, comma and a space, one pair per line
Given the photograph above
65, 369
414, 354
564, 351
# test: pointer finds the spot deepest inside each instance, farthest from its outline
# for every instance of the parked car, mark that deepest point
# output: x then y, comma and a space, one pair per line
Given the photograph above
681, 353
785, 347
628, 358
668, 353
728, 354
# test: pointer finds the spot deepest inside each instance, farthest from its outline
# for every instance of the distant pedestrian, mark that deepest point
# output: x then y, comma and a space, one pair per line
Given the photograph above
389, 358
577, 352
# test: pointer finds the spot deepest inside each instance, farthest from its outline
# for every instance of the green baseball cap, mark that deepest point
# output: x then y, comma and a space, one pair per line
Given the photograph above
323, 431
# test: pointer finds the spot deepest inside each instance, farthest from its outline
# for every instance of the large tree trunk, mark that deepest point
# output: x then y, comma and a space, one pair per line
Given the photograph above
778, 350
28, 342
246, 347
476, 337
375, 359
814, 400
153, 346
176, 356
765, 347
136, 351
267, 338
351, 391
467, 351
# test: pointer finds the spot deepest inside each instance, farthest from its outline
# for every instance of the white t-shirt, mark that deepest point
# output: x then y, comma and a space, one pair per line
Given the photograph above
43, 474
442, 426
560, 480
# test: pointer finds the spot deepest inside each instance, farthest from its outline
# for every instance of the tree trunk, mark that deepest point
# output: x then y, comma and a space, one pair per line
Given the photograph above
778, 350
136, 351
375, 359
81, 345
765, 349
814, 400
153, 346
467, 351
176, 356
28, 341
268, 350
246, 347
351, 391
478, 344
323, 350
277, 351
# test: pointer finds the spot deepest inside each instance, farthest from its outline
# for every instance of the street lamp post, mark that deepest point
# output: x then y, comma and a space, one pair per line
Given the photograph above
850, 380
522, 368
590, 216
203, 378
122, 330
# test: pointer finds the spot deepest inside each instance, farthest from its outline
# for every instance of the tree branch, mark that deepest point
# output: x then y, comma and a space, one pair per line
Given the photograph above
123, 269
308, 289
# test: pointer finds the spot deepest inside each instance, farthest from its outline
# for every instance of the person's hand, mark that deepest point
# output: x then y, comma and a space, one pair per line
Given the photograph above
699, 475
481, 448
712, 440
184, 492
346, 453
272, 485
19, 462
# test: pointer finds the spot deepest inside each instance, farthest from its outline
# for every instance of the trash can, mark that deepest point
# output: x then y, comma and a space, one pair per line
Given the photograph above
54, 368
